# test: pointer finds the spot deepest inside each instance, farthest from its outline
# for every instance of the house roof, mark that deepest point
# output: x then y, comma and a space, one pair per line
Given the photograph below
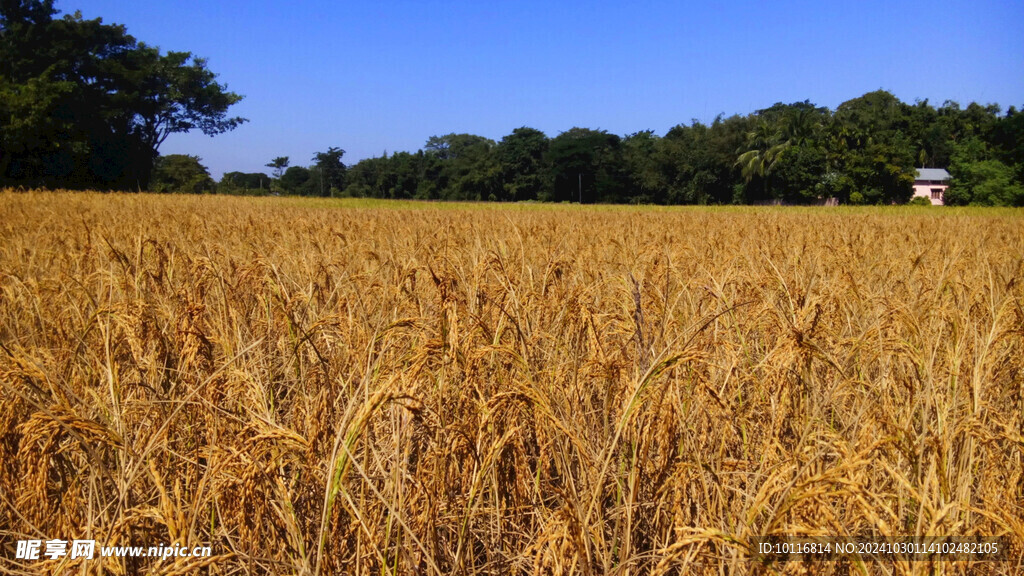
932, 174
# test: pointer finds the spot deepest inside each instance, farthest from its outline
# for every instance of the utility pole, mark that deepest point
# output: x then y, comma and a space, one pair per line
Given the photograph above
580, 175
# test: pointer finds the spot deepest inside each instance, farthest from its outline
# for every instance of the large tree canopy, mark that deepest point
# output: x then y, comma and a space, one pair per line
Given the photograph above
181, 173
84, 104
586, 166
521, 158
330, 171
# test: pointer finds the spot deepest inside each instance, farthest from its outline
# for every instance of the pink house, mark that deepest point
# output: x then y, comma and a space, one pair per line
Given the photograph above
931, 183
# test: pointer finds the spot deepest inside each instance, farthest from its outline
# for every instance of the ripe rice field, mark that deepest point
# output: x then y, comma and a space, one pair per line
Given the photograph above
346, 387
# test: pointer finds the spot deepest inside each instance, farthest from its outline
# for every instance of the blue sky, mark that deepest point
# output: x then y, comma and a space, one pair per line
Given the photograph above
376, 76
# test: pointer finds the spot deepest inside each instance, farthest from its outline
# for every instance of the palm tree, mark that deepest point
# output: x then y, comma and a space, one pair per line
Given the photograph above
764, 145
801, 127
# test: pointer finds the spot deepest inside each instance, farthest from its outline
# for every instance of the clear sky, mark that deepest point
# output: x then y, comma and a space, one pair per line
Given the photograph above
376, 76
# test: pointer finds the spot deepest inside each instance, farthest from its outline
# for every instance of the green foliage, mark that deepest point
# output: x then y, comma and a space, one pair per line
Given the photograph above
799, 175
243, 183
468, 167
587, 166
865, 152
683, 161
871, 147
84, 104
920, 201
783, 157
646, 183
1007, 140
330, 171
691, 164
521, 160
182, 174
297, 180
403, 175
278, 165
980, 179
764, 146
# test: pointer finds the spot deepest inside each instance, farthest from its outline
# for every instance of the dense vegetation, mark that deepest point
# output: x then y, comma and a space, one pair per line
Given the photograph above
864, 152
85, 105
347, 388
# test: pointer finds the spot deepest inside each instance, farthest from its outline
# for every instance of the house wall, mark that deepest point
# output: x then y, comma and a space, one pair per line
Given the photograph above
924, 188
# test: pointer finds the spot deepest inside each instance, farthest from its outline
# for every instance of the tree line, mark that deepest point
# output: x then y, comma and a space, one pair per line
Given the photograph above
866, 151
84, 104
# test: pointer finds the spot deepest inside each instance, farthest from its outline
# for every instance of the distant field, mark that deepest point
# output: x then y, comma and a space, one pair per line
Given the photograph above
366, 387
